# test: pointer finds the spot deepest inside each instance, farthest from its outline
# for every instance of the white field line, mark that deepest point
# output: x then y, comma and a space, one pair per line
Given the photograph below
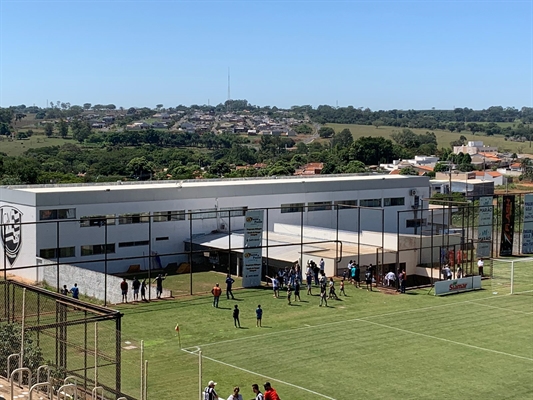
447, 340
343, 321
261, 375
503, 309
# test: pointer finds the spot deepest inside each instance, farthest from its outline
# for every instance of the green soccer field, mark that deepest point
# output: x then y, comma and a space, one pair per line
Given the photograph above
372, 345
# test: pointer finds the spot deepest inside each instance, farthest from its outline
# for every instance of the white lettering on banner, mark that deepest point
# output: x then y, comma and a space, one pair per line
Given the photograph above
458, 285
252, 259
527, 232
485, 226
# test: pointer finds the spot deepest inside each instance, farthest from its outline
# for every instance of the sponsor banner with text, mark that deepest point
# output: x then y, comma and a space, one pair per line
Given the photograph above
458, 285
527, 232
252, 259
485, 227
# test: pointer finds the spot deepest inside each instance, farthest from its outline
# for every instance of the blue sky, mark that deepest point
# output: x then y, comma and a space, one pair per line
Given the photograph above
376, 54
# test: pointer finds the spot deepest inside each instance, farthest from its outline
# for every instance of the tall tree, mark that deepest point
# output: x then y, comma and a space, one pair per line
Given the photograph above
63, 128
48, 129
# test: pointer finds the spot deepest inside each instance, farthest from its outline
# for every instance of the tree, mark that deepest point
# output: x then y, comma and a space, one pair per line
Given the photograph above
408, 171
354, 167
158, 107
407, 138
11, 339
141, 168
371, 150
377, 123
441, 167
63, 128
343, 138
326, 132
48, 129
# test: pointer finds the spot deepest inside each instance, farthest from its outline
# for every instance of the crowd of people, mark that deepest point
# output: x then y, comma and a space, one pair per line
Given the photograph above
269, 394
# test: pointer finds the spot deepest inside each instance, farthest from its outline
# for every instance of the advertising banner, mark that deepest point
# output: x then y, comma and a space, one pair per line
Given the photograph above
458, 285
485, 227
527, 232
506, 243
252, 259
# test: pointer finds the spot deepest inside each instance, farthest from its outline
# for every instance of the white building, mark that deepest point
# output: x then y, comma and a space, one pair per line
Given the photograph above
474, 147
140, 219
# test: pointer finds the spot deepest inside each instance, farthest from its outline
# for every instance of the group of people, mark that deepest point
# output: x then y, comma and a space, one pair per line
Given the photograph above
270, 393
75, 291
353, 273
138, 286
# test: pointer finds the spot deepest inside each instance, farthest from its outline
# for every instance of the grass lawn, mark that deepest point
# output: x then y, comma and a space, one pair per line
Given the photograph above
17, 147
443, 137
373, 345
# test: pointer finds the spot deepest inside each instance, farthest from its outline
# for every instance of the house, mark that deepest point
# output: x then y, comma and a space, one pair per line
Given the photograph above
310, 169
474, 147
137, 126
159, 125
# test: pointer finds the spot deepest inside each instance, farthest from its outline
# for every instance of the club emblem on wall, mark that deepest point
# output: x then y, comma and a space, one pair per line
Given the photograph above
11, 232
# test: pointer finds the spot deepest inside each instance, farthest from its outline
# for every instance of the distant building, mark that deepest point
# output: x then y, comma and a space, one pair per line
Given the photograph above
474, 147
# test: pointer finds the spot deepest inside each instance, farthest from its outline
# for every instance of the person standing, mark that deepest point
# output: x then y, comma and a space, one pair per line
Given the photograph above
342, 288
159, 285
229, 283
258, 316
136, 285
236, 320
275, 285
235, 395
323, 296
322, 266
124, 289
257, 392
143, 290
297, 290
75, 291
447, 272
289, 294
480, 265
65, 291
368, 279
316, 270
403, 281
209, 391
216, 292
270, 392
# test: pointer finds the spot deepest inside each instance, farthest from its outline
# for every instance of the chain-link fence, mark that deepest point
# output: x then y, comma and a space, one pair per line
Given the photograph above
73, 338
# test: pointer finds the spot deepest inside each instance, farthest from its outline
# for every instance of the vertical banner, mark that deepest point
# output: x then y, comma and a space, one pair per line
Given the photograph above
252, 258
484, 234
506, 244
527, 232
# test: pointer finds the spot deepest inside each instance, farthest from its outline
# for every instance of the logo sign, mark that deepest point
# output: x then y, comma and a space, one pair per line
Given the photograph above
458, 285
11, 232
485, 227
508, 210
253, 242
527, 233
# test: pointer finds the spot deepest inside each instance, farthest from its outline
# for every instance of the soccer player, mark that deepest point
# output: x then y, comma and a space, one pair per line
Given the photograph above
236, 316
258, 315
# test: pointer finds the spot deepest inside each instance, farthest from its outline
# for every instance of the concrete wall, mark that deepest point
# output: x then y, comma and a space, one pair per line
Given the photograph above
90, 283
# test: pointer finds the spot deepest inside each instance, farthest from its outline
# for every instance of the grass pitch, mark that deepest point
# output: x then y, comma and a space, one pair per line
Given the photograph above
373, 345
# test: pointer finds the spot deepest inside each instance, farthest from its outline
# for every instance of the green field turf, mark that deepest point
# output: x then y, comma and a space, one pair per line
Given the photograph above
15, 148
375, 345
443, 137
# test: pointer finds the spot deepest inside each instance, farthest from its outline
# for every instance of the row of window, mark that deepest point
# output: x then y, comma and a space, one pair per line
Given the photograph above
180, 215
93, 249
139, 218
328, 205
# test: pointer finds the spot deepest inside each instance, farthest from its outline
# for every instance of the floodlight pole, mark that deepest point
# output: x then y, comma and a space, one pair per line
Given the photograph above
57, 256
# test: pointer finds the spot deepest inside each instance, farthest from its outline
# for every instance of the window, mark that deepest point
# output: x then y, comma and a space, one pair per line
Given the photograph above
158, 239
292, 208
319, 206
134, 244
233, 211
97, 220
346, 204
394, 201
64, 252
370, 203
415, 223
64, 213
139, 218
203, 214
94, 249
165, 216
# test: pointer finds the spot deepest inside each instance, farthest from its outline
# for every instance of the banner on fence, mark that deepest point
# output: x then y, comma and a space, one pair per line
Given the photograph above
506, 243
252, 254
485, 227
527, 232
458, 285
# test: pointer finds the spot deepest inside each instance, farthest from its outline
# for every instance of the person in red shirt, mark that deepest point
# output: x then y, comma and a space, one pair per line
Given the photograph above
216, 291
124, 288
270, 392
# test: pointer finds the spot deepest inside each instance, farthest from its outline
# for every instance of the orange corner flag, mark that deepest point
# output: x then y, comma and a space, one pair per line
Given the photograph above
177, 328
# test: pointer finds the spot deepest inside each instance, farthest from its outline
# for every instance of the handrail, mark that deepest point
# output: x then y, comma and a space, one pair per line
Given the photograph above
43, 368
95, 392
42, 384
61, 391
69, 378
9, 358
12, 376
